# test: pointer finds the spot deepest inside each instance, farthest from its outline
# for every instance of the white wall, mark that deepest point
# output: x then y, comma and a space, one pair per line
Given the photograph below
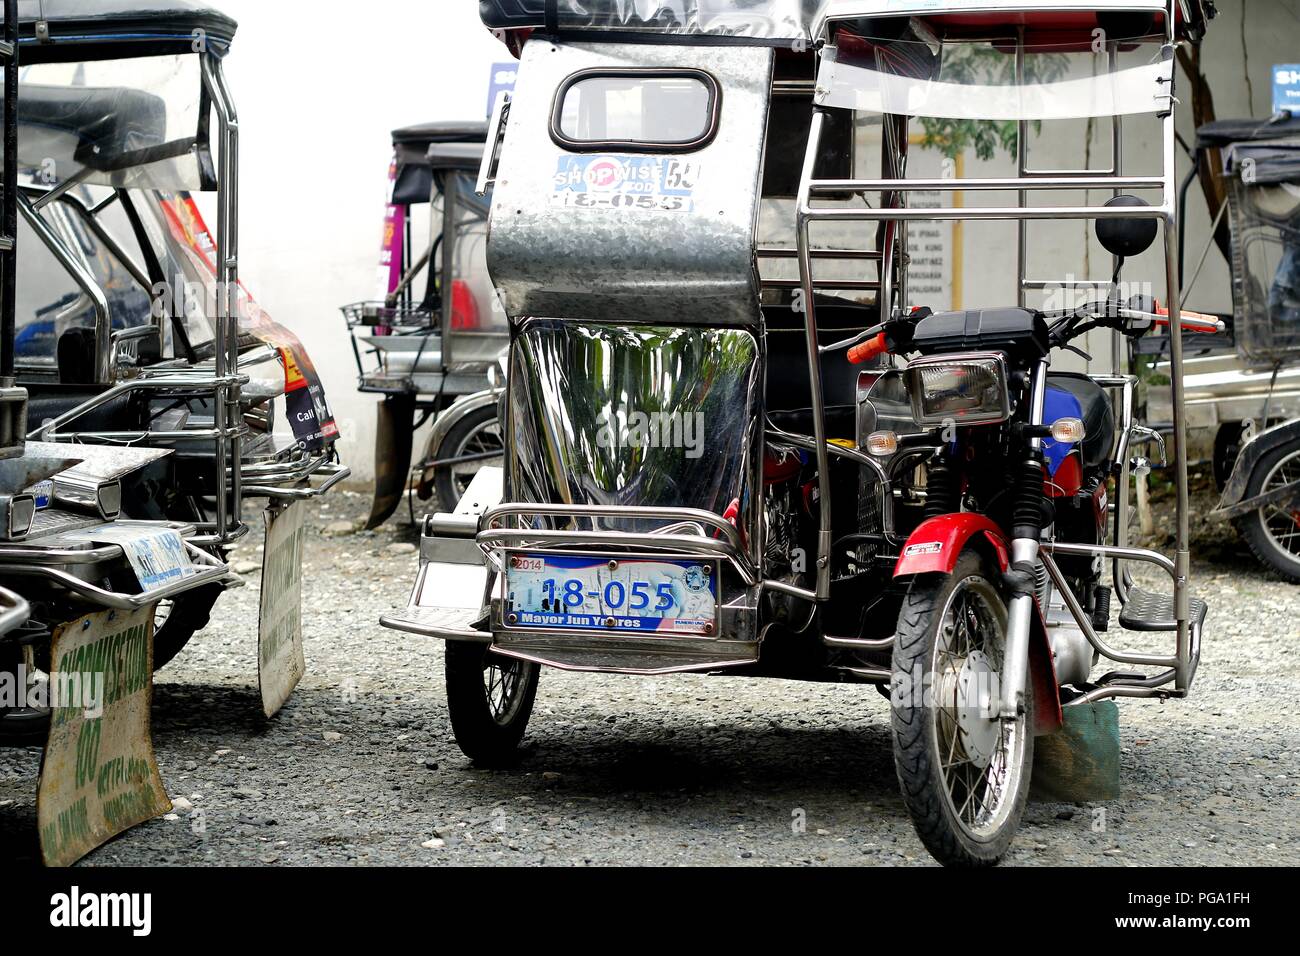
319, 88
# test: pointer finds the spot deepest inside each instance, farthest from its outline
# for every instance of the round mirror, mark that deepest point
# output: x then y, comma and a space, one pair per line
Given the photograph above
1126, 237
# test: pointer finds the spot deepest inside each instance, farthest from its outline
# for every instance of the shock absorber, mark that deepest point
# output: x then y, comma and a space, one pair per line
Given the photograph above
1027, 515
941, 487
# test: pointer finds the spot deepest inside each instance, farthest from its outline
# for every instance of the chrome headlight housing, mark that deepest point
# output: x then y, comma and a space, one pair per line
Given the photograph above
967, 389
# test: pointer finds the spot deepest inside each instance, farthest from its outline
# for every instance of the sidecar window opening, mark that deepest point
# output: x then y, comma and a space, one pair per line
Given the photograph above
50, 301
647, 110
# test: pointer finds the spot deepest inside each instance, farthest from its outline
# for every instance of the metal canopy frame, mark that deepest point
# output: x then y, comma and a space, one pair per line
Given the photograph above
1182, 664
222, 382
13, 400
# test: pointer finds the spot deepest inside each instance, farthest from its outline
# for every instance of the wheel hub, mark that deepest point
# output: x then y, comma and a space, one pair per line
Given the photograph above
976, 714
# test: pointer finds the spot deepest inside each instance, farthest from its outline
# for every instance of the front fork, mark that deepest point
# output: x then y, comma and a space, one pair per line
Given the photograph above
1027, 531
1020, 611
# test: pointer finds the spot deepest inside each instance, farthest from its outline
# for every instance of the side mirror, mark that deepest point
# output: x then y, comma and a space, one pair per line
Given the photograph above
1126, 237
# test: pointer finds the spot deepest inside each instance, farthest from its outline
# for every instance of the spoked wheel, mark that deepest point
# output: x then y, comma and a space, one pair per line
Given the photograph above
477, 434
490, 699
177, 620
963, 772
1273, 532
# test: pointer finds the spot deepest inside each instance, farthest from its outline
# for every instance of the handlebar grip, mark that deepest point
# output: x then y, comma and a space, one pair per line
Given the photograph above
868, 350
1193, 321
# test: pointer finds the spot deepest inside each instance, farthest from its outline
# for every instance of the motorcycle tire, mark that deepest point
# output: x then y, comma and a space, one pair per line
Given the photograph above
458, 442
489, 700
938, 795
1267, 531
186, 616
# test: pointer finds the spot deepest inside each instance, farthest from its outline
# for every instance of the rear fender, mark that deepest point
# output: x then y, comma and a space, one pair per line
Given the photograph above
1234, 491
935, 546
394, 425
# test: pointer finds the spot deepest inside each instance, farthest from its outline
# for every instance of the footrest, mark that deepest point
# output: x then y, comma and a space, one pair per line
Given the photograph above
1145, 611
448, 623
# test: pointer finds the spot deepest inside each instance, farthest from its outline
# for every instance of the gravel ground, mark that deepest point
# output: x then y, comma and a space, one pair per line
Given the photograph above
360, 766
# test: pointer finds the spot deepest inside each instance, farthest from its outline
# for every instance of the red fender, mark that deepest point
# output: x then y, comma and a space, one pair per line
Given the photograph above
936, 543
935, 546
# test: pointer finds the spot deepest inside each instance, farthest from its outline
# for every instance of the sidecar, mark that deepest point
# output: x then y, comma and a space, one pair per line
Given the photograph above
430, 343
132, 327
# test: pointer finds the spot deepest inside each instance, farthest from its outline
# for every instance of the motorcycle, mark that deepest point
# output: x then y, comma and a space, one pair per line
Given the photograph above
734, 441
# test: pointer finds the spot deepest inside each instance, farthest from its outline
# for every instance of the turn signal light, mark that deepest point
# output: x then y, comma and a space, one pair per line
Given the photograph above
882, 444
1068, 431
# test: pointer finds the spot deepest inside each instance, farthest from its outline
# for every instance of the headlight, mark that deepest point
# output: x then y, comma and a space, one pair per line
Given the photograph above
966, 389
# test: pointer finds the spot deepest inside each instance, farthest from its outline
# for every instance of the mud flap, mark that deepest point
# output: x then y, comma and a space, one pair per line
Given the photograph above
99, 777
280, 660
394, 429
1080, 762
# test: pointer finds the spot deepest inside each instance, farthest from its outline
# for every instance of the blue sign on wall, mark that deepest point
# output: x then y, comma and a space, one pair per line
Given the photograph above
501, 81
1286, 88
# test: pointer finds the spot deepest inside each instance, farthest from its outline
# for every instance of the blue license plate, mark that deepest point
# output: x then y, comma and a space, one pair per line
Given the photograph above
621, 595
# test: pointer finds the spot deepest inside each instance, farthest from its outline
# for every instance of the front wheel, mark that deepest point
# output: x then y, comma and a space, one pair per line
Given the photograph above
489, 699
964, 772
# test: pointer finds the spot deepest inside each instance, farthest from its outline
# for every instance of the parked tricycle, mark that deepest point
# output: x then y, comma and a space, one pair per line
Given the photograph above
133, 329
712, 466
1256, 402
431, 343
81, 581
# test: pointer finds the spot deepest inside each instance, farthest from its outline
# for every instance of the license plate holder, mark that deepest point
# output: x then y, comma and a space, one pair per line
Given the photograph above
623, 595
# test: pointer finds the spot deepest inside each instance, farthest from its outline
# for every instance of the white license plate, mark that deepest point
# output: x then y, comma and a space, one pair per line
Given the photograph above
555, 592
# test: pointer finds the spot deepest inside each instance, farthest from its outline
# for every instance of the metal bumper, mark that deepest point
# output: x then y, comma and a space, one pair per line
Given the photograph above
457, 592
291, 480
60, 567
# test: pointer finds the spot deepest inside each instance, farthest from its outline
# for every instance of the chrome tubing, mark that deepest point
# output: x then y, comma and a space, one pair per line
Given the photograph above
13, 611
803, 243
226, 358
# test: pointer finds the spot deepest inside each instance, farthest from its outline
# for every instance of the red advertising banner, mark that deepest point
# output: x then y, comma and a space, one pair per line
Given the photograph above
306, 407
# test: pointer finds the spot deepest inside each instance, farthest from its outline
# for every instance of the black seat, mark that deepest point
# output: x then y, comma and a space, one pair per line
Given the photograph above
789, 397
1098, 416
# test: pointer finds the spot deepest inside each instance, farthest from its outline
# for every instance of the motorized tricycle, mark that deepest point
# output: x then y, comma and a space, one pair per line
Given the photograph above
81, 582
133, 328
735, 441
430, 344
1244, 396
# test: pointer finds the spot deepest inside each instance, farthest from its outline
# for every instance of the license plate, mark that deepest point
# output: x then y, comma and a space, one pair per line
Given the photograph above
615, 595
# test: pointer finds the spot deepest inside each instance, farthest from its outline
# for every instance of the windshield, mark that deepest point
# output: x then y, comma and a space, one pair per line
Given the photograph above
131, 123
924, 74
